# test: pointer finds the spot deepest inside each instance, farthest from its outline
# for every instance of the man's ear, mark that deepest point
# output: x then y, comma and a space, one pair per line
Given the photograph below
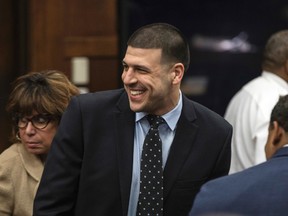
275, 140
285, 74
286, 65
270, 143
277, 134
177, 73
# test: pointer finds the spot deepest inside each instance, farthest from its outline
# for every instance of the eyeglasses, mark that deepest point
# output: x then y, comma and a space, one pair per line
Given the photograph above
38, 121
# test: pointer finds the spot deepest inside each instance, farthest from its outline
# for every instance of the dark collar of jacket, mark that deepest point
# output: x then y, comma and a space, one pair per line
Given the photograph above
282, 152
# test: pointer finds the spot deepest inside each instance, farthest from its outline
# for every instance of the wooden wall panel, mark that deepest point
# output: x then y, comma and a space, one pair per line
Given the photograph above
46, 34
100, 46
63, 29
8, 64
45, 46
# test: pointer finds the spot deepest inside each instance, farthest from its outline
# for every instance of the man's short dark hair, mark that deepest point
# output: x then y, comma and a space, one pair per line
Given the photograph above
166, 37
276, 51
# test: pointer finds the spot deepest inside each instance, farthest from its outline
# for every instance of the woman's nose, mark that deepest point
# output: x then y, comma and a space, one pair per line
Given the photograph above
30, 129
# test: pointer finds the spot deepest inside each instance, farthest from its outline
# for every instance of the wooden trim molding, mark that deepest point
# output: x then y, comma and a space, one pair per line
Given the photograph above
98, 46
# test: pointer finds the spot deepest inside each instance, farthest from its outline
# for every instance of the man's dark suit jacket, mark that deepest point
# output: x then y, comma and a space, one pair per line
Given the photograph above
260, 190
89, 168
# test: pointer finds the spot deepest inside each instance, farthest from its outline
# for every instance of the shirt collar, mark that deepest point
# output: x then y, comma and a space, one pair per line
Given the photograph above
171, 117
275, 78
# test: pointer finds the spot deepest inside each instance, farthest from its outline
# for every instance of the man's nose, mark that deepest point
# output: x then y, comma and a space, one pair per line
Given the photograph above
129, 77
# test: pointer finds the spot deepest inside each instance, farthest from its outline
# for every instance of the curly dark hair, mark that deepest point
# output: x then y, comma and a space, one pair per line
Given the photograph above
44, 92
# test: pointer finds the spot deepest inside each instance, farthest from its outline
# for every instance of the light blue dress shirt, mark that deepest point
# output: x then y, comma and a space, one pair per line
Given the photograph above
167, 133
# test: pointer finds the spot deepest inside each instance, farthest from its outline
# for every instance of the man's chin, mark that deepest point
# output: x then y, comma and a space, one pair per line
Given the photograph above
136, 107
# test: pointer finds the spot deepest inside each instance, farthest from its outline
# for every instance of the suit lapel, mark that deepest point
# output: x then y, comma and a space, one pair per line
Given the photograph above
125, 121
186, 132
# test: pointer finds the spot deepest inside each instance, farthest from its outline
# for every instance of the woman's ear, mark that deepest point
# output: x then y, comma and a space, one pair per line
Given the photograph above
177, 73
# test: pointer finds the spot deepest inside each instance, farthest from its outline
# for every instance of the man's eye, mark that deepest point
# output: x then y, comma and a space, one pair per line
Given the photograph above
125, 67
142, 70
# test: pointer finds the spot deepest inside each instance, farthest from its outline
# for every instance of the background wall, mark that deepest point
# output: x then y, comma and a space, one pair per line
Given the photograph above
77, 37
11, 61
226, 38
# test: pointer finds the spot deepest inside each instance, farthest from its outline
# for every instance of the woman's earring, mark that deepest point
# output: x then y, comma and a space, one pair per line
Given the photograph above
18, 136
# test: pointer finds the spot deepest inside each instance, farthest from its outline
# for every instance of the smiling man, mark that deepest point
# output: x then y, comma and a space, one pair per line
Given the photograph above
151, 86
97, 164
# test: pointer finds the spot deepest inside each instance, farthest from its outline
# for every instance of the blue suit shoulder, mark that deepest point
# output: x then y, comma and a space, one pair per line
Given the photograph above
102, 95
103, 99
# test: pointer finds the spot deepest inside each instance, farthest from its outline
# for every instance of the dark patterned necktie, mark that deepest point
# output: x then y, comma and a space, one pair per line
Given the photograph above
150, 200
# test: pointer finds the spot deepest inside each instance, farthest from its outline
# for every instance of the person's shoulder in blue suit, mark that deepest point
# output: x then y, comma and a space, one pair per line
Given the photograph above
259, 190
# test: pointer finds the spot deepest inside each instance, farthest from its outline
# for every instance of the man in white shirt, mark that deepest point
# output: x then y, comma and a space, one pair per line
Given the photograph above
249, 110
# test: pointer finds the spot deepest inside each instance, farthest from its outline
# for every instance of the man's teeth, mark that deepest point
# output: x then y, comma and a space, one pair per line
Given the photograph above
136, 92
